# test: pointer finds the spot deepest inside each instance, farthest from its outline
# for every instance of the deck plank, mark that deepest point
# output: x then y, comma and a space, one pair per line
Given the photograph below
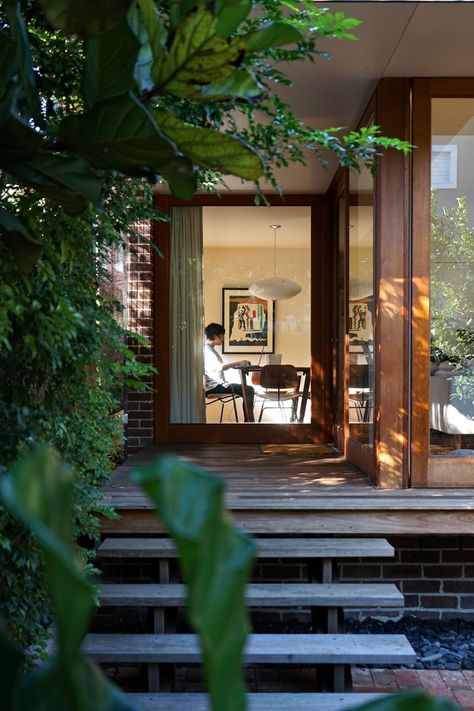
256, 702
266, 548
298, 492
260, 595
260, 648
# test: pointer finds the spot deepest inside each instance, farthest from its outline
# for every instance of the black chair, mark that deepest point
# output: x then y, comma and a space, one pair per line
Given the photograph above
279, 384
223, 398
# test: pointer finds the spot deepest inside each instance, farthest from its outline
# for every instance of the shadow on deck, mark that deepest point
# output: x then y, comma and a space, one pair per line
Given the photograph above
296, 490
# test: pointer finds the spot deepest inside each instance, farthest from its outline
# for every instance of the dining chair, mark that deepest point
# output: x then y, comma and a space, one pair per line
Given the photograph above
223, 398
279, 384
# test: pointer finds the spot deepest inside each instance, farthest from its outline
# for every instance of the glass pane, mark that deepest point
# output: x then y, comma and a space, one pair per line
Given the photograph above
452, 280
240, 249
361, 306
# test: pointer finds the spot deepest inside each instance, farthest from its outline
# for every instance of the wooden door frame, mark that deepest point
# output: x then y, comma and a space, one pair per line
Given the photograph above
428, 471
320, 429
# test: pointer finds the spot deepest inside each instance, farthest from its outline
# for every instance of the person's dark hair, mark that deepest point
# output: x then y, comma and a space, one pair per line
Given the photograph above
213, 330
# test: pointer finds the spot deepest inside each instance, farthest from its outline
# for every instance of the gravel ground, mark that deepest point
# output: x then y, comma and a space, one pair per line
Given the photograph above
447, 644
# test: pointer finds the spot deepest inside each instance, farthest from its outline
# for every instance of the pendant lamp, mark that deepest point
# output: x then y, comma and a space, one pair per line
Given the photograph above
275, 288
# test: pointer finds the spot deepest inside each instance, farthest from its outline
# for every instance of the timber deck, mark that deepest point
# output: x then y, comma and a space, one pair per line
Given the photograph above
296, 490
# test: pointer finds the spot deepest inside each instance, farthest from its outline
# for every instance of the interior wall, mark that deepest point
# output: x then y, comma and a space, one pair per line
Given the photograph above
231, 267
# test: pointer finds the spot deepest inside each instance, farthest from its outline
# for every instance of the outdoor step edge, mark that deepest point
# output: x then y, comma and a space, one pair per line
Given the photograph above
277, 548
284, 594
261, 648
282, 701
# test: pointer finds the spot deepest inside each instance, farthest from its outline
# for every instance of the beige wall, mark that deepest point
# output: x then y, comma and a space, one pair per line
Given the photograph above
230, 267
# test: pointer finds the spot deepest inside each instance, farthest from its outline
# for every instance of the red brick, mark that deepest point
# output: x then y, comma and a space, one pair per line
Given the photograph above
422, 586
439, 601
469, 676
384, 680
442, 571
441, 542
407, 678
362, 572
362, 678
457, 556
418, 556
458, 586
467, 602
399, 572
465, 699
454, 679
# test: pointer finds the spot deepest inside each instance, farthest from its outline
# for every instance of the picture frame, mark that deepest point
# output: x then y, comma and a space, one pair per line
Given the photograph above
249, 322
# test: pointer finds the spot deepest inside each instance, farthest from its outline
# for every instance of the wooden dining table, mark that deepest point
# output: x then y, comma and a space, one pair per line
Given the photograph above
304, 372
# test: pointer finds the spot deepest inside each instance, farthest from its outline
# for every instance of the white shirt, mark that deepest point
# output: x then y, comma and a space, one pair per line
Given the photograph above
213, 373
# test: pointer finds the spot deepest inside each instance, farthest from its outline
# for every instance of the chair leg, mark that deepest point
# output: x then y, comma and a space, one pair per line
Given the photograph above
222, 411
235, 408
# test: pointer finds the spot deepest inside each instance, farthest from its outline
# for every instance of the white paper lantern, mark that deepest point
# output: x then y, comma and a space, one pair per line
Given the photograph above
275, 288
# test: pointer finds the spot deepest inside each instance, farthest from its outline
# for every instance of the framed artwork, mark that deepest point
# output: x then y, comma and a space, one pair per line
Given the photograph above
360, 320
249, 322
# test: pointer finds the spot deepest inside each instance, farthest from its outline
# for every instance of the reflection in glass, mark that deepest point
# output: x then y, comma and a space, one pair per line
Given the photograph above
361, 306
452, 280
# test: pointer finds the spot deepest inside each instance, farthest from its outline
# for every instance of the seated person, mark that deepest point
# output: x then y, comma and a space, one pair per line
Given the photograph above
215, 366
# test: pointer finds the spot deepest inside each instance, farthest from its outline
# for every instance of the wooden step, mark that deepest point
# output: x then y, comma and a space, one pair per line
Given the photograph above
260, 595
267, 548
256, 702
260, 649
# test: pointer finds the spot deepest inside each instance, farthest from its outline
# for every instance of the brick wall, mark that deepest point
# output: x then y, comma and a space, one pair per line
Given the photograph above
140, 319
435, 574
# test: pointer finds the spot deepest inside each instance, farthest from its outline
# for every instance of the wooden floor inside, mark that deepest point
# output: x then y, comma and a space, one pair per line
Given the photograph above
296, 489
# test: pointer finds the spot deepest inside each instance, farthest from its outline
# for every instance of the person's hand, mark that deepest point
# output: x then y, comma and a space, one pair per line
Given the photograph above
244, 362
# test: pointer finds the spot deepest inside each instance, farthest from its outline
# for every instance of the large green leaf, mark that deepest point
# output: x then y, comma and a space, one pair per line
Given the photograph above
240, 84
145, 22
10, 668
275, 34
39, 492
15, 235
88, 18
211, 149
110, 60
7, 60
197, 56
409, 701
66, 181
18, 140
48, 687
24, 61
121, 134
230, 13
216, 559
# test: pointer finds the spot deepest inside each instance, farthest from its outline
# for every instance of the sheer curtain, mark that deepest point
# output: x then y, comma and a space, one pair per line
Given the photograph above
186, 316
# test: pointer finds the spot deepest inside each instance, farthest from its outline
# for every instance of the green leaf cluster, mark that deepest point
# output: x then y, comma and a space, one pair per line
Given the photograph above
64, 364
452, 291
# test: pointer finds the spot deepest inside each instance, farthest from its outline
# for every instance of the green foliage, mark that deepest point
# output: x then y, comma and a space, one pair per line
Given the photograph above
178, 58
39, 493
63, 367
215, 560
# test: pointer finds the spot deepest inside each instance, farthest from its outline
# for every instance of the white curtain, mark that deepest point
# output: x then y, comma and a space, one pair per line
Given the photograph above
187, 316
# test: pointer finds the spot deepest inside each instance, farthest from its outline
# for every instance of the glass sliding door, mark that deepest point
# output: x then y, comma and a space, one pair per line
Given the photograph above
360, 307
213, 262
452, 277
